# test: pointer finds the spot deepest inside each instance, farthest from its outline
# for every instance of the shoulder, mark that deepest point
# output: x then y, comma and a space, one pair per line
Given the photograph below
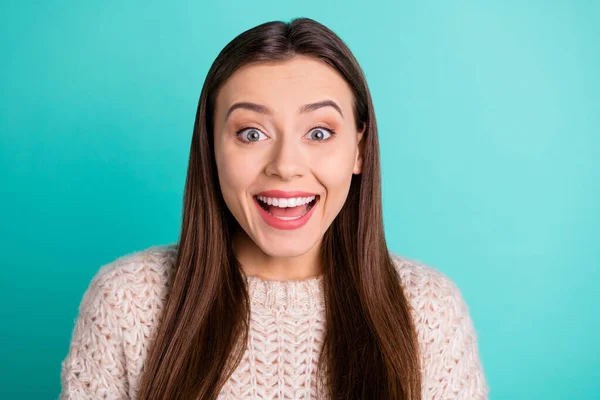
139, 270
424, 283
116, 319
132, 287
450, 360
438, 307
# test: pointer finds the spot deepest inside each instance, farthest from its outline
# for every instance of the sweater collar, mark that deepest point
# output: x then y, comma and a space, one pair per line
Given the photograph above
305, 294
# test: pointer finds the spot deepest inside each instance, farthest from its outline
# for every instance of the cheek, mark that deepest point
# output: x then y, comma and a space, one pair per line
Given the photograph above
236, 172
334, 171
336, 159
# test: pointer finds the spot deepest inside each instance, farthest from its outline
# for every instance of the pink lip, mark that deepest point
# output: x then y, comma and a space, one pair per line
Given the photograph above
282, 224
283, 194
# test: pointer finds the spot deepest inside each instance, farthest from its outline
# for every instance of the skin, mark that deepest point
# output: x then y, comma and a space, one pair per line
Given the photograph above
289, 155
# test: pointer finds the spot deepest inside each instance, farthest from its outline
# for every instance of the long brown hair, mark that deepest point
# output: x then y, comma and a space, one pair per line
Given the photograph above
370, 348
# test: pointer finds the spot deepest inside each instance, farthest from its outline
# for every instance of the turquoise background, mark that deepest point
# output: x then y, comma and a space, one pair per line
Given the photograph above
489, 117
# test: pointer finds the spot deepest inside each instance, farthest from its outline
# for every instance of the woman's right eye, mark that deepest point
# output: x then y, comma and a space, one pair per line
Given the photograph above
249, 135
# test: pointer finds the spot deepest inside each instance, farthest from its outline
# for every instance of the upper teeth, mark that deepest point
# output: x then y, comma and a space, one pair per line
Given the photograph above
280, 202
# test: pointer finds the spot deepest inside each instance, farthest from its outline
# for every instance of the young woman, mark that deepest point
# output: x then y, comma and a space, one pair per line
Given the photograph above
281, 284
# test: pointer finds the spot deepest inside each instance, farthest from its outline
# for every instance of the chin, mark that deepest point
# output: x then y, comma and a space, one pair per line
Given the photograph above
286, 248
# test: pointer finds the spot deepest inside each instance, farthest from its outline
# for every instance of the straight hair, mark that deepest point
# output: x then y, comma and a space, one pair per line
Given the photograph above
370, 347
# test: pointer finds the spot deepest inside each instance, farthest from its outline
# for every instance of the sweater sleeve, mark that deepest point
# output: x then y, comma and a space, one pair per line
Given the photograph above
94, 367
452, 365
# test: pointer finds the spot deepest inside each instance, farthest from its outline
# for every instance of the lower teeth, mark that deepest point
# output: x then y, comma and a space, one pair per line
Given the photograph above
287, 218
292, 218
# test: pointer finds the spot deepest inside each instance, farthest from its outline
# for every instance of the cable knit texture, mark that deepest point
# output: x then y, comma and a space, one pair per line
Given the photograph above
122, 306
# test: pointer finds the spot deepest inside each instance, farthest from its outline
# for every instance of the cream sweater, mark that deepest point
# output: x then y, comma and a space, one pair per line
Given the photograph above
120, 308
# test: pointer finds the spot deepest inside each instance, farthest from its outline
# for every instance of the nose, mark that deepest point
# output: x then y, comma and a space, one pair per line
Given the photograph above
287, 159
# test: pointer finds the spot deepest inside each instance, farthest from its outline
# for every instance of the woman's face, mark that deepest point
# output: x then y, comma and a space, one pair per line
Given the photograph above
273, 140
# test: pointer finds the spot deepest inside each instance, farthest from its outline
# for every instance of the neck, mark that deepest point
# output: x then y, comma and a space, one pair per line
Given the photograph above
256, 262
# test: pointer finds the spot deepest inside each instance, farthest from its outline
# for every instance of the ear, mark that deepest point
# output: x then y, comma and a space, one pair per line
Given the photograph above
359, 151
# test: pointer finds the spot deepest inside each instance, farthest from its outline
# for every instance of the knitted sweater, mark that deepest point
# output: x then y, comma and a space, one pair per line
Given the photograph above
120, 309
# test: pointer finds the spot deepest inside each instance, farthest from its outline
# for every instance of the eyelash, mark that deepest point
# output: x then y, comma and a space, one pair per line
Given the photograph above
331, 131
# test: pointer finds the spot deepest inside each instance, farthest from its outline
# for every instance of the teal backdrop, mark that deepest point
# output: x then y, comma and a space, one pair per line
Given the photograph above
489, 117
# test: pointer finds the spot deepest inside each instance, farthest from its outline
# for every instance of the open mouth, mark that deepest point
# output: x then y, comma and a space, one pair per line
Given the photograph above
287, 212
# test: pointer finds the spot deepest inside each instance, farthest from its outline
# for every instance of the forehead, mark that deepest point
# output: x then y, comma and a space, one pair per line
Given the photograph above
293, 82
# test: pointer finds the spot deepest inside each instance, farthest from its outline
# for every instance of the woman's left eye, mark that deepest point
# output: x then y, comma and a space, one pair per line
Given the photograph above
319, 133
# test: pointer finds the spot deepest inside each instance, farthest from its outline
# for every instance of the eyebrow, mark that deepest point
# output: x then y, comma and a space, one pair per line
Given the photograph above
265, 110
